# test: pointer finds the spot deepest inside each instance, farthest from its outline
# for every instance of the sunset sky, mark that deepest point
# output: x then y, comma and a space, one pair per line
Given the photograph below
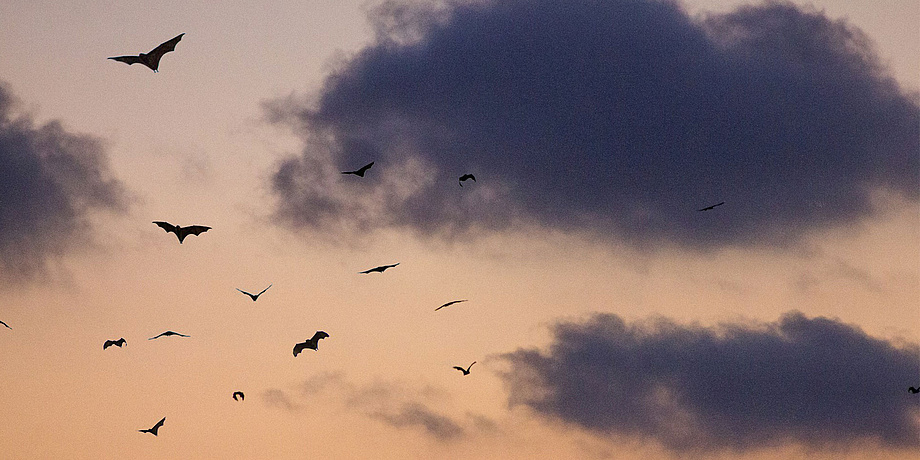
607, 316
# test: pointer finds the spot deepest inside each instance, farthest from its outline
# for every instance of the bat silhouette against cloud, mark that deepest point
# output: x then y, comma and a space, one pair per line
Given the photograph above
311, 343
155, 428
360, 172
151, 59
118, 343
466, 177
182, 232
710, 208
913, 390
254, 297
380, 269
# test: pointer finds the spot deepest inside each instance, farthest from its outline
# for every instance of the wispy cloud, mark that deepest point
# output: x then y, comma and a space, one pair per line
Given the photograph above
813, 381
621, 118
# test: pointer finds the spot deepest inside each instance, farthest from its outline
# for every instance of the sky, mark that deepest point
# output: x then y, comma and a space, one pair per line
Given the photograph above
606, 315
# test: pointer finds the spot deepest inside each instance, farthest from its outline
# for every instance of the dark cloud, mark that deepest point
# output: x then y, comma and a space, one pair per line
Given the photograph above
620, 117
418, 415
50, 181
814, 381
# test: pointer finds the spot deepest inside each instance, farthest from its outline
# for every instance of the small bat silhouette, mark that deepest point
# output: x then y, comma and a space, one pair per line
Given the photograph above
167, 334
254, 296
465, 371
449, 304
118, 343
380, 269
465, 177
155, 428
913, 390
151, 59
182, 232
311, 343
710, 208
360, 172
7, 325
238, 396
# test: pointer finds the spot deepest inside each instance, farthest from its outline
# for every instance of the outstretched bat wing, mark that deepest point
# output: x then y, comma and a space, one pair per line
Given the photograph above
128, 59
166, 225
319, 335
299, 348
164, 48
193, 230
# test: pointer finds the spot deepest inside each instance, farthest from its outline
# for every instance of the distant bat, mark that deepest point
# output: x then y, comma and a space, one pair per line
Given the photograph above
465, 177
118, 343
449, 304
254, 296
465, 371
7, 325
360, 172
380, 269
312, 343
182, 232
151, 59
155, 428
710, 208
168, 333
238, 396
914, 390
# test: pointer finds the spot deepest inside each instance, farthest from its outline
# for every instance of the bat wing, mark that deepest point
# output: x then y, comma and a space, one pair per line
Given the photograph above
158, 336
108, 343
7, 325
166, 225
194, 229
244, 292
365, 168
319, 335
159, 424
263, 290
165, 47
299, 347
459, 369
128, 59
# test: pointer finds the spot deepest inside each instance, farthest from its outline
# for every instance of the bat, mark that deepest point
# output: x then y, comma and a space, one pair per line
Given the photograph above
155, 428
449, 304
710, 208
360, 172
181, 232
465, 371
167, 334
118, 343
151, 59
7, 325
465, 177
311, 343
380, 269
913, 390
240, 394
254, 296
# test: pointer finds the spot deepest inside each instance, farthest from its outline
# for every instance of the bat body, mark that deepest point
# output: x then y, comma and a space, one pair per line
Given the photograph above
167, 334
151, 59
710, 208
449, 304
118, 343
155, 428
181, 232
311, 343
913, 390
254, 297
465, 177
465, 371
380, 269
238, 396
7, 325
360, 172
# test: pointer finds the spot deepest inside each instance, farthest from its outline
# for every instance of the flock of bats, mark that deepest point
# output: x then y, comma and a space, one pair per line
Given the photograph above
152, 60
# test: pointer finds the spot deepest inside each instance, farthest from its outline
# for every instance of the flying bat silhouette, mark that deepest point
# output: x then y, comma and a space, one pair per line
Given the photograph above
449, 304
7, 325
182, 232
465, 371
254, 296
151, 59
168, 333
360, 172
238, 396
380, 269
311, 343
914, 390
155, 428
118, 343
465, 177
710, 208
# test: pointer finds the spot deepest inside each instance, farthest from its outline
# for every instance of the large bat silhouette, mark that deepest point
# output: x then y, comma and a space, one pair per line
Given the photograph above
449, 304
151, 59
155, 428
167, 334
312, 343
465, 371
181, 232
360, 171
118, 343
254, 297
466, 177
380, 269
